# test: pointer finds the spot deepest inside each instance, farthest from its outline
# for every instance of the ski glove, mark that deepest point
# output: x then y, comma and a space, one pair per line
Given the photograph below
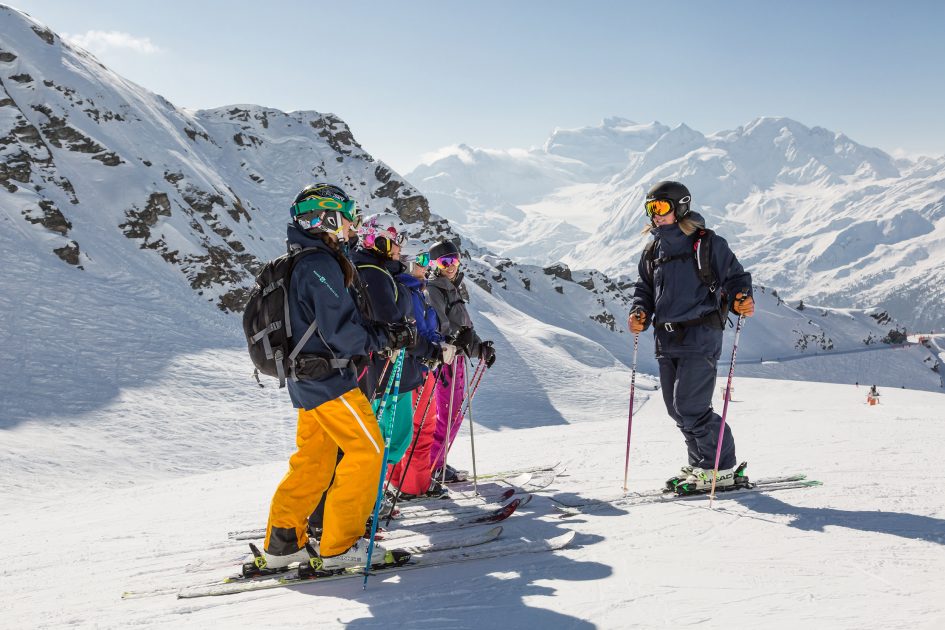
744, 305
401, 335
448, 352
638, 322
464, 340
487, 353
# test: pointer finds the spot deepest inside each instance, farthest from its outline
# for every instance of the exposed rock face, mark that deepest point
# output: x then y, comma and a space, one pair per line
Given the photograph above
69, 253
559, 270
49, 217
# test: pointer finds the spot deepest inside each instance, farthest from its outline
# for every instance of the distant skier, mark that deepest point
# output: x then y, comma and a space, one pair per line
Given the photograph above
448, 296
872, 397
333, 413
688, 306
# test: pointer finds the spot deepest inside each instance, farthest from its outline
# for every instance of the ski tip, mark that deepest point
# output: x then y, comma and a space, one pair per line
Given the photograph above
565, 539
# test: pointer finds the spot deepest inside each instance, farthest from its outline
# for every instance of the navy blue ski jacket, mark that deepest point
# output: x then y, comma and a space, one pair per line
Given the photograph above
390, 303
676, 294
317, 292
428, 335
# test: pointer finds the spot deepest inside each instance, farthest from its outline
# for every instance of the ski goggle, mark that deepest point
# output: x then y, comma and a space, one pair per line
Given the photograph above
445, 262
422, 260
658, 207
348, 208
392, 238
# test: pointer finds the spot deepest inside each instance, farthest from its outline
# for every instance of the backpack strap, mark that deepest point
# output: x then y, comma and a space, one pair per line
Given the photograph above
387, 273
702, 252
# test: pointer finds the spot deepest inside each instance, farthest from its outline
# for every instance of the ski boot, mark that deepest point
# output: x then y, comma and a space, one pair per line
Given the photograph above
674, 481
699, 480
265, 563
452, 475
354, 558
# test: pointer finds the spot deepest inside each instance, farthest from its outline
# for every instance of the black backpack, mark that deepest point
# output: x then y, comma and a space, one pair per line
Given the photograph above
266, 321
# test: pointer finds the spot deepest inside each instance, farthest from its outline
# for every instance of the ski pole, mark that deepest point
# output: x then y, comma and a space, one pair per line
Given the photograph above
392, 391
423, 389
472, 436
380, 380
449, 421
633, 379
430, 386
476, 379
728, 389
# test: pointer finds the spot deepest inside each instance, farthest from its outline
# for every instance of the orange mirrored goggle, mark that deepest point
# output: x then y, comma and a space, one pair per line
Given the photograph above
658, 207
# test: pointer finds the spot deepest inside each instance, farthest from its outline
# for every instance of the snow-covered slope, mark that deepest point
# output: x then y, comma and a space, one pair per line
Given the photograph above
862, 551
810, 211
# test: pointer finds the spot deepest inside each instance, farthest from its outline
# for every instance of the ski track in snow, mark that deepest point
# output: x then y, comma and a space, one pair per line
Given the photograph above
827, 556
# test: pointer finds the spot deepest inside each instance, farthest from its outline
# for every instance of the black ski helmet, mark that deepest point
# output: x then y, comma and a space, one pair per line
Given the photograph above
675, 193
443, 248
333, 204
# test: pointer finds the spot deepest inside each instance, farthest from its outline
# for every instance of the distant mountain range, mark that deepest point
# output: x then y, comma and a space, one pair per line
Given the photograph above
808, 210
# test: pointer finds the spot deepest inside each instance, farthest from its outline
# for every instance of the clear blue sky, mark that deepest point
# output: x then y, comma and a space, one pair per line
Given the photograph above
412, 77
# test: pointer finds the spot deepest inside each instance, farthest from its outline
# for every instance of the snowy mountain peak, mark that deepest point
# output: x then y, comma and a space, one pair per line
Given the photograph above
811, 210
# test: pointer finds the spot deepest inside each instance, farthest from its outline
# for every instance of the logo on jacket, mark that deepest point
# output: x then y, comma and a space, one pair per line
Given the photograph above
324, 281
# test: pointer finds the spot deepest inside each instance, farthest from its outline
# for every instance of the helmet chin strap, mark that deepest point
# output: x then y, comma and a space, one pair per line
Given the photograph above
332, 224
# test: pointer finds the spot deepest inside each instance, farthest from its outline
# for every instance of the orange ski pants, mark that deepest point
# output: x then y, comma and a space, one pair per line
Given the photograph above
348, 423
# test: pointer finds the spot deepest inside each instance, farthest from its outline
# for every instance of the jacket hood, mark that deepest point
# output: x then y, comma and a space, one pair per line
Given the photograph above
297, 236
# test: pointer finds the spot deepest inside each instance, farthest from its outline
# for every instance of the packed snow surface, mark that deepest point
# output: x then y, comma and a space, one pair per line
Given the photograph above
865, 550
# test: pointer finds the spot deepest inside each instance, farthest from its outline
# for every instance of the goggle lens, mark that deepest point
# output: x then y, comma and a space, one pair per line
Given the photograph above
422, 260
658, 207
309, 220
444, 262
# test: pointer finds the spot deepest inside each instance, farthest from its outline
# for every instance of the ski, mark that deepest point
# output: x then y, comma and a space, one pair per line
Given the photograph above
426, 543
665, 497
295, 576
433, 520
427, 503
410, 509
424, 516
535, 483
470, 520
514, 473
581, 502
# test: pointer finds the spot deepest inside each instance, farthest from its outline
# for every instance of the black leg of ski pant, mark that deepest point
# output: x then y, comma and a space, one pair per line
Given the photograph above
687, 385
317, 518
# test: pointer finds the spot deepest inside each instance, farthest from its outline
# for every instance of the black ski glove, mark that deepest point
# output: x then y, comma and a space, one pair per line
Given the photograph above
401, 335
487, 353
464, 340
